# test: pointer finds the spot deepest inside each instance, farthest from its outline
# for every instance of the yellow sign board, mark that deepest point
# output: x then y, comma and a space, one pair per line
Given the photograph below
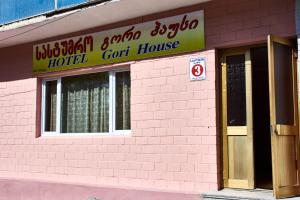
168, 36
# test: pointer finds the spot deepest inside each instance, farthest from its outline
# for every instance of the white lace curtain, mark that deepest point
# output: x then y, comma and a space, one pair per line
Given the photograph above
85, 104
50, 106
123, 100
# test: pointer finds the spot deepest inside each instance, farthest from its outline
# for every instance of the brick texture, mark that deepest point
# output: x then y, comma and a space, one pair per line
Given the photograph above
233, 22
168, 148
178, 124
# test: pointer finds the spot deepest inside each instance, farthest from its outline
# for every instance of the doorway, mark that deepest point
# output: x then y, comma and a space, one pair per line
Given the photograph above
246, 118
260, 124
261, 118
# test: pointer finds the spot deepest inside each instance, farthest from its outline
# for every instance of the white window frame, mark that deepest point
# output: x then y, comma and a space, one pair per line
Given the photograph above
112, 108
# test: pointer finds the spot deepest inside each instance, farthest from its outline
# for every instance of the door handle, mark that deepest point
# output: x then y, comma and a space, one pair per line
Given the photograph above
271, 130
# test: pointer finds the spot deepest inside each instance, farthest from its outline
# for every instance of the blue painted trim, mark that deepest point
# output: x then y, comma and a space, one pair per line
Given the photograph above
14, 10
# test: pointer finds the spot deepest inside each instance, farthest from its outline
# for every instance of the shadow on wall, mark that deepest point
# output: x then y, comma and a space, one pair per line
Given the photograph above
16, 63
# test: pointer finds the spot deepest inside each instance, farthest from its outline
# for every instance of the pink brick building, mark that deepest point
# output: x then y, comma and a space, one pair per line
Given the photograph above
175, 146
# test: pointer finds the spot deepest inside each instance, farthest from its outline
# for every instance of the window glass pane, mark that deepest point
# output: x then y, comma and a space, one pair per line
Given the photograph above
236, 90
85, 104
50, 107
283, 84
123, 100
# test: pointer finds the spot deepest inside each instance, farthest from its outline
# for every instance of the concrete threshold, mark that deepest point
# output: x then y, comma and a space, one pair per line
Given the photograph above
242, 194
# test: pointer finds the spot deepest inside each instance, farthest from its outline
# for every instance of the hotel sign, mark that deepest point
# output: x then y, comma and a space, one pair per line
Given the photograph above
168, 36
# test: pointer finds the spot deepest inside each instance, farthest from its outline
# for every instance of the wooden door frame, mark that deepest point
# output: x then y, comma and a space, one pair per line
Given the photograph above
249, 119
224, 144
283, 191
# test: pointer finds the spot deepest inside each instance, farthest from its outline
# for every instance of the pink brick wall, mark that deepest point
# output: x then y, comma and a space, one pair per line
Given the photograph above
236, 22
173, 142
174, 124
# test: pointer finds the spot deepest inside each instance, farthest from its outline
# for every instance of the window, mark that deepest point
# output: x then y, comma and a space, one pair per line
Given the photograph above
96, 103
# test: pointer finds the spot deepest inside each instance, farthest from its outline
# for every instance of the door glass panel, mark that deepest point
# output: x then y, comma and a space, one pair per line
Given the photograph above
283, 84
236, 90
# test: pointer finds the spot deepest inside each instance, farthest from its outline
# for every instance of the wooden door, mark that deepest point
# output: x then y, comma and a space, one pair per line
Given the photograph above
283, 117
238, 166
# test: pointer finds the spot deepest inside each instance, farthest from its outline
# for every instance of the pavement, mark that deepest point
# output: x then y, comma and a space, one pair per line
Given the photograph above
241, 194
